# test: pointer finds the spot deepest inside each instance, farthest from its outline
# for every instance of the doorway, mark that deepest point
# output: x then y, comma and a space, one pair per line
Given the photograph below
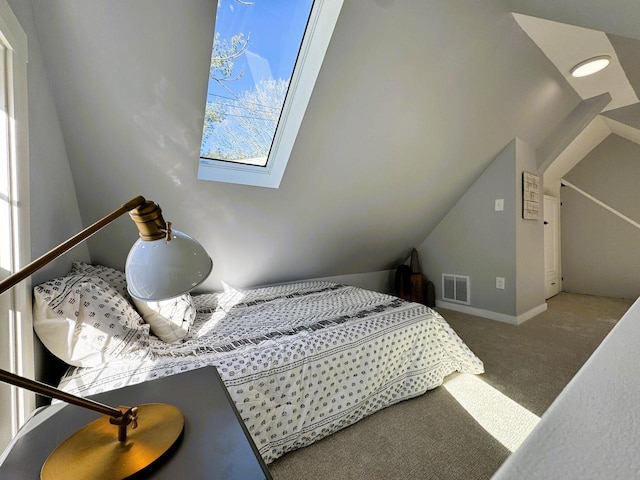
552, 278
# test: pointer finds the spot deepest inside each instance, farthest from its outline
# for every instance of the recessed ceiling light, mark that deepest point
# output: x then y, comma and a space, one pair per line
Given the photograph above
590, 66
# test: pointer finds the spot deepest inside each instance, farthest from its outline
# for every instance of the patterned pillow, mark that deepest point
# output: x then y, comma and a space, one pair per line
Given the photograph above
171, 319
84, 321
113, 277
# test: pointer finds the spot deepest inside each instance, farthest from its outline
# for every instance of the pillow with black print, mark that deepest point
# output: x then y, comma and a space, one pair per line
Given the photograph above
86, 322
113, 277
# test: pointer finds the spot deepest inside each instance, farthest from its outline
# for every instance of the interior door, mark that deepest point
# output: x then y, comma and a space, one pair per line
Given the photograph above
553, 284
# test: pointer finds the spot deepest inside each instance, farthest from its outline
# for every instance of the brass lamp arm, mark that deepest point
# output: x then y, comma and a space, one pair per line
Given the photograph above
124, 413
64, 247
49, 391
162, 424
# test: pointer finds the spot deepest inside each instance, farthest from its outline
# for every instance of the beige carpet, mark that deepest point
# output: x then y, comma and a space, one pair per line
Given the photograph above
433, 436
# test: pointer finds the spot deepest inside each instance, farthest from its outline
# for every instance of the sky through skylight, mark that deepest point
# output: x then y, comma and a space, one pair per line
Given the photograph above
255, 48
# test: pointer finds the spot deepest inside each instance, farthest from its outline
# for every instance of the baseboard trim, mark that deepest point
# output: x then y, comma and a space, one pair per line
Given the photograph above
500, 317
523, 317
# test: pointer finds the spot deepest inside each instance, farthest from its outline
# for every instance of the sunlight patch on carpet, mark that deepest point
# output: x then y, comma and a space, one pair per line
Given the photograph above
507, 421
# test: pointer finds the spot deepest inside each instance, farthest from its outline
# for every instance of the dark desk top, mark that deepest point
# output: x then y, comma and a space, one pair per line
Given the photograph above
215, 442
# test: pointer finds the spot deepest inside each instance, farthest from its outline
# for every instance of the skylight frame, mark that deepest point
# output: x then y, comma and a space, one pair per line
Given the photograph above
322, 21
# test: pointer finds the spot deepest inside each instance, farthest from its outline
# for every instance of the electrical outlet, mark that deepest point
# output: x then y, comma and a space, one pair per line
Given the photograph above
499, 205
500, 283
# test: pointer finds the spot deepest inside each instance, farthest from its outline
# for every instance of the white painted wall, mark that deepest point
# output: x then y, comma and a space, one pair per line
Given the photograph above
591, 430
55, 215
413, 102
382, 281
16, 343
590, 137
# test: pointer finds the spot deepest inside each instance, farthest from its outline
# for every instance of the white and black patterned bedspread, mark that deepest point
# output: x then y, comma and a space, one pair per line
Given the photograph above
304, 360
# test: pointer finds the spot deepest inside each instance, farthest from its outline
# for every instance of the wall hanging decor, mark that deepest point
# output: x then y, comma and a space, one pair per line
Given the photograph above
531, 196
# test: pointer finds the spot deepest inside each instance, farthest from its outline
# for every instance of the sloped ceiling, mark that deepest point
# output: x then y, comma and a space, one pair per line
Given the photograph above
617, 17
414, 100
567, 45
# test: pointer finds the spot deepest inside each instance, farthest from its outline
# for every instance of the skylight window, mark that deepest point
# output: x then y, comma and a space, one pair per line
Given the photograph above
265, 59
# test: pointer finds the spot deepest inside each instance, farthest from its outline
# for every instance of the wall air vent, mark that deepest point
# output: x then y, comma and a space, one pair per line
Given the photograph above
455, 288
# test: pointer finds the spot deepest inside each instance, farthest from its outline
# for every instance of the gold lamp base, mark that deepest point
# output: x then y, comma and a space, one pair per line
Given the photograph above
95, 453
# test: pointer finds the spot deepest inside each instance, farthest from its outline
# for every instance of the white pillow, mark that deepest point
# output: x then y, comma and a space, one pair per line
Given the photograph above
113, 277
85, 322
170, 320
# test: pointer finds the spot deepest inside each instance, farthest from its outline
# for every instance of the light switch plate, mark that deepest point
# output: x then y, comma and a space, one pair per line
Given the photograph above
499, 204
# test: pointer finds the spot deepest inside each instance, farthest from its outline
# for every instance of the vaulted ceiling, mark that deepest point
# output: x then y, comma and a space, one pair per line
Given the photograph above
569, 32
567, 45
414, 100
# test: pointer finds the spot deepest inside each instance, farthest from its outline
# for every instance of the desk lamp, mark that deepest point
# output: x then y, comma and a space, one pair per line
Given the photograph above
163, 263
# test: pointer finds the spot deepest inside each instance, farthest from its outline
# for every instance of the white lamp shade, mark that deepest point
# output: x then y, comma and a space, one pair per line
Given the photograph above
161, 269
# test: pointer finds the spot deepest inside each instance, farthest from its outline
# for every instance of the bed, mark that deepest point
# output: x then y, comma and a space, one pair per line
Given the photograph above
301, 361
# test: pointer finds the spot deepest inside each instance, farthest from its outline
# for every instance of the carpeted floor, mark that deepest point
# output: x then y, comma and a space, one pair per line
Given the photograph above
433, 436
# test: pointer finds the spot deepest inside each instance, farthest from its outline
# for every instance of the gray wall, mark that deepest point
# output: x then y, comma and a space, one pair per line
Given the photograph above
601, 252
475, 240
413, 102
530, 292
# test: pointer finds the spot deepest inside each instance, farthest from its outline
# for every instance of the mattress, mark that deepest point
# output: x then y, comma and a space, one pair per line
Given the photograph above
302, 360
